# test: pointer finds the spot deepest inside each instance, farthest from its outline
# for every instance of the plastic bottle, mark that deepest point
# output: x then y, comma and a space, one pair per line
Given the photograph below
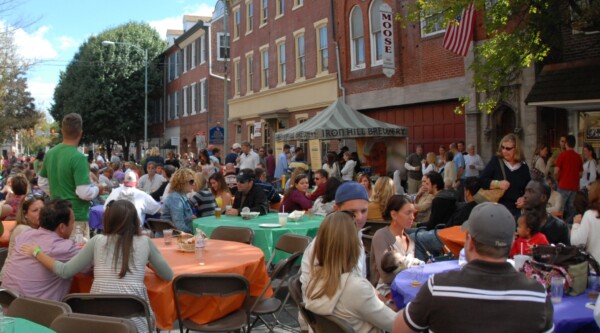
200, 247
79, 240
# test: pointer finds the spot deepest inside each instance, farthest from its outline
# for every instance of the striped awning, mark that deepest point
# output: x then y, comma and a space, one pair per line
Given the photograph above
340, 121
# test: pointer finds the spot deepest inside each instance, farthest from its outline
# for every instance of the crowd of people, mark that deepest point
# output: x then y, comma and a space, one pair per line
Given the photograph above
553, 198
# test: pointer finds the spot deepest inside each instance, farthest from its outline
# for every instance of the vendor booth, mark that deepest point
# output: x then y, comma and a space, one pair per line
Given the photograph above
382, 147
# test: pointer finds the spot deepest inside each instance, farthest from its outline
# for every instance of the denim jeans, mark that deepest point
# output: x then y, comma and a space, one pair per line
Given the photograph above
567, 200
427, 241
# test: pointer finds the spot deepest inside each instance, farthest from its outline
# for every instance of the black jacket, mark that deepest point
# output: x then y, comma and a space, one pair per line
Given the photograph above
256, 200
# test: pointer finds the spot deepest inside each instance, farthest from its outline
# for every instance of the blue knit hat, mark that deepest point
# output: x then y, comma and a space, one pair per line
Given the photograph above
350, 191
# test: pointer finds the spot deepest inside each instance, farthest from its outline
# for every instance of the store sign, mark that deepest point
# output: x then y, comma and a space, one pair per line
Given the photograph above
387, 33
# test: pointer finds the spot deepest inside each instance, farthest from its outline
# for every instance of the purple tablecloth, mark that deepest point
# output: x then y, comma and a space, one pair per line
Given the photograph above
96, 213
569, 316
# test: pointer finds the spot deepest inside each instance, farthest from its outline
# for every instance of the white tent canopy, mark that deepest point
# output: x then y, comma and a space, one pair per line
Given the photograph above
340, 121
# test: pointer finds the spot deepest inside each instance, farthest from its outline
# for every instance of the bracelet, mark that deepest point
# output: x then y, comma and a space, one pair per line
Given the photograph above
497, 184
36, 251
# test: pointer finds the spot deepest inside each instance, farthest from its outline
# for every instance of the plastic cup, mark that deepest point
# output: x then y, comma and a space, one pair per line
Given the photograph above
557, 285
416, 276
520, 260
594, 287
283, 219
168, 236
218, 213
7, 325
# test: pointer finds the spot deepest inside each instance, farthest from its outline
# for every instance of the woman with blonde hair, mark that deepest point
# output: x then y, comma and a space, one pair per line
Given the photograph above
430, 163
335, 287
28, 217
539, 169
509, 172
176, 206
383, 191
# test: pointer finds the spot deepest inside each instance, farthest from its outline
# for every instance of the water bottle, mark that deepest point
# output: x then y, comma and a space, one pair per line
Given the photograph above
199, 247
79, 240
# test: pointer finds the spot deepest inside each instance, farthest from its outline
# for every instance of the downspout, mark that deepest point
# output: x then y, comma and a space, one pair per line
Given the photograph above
337, 53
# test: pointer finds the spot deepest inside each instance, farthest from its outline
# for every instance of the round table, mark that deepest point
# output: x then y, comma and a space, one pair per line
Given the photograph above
220, 257
571, 315
24, 325
264, 238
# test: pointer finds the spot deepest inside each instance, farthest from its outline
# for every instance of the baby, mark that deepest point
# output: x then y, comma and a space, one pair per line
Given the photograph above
528, 234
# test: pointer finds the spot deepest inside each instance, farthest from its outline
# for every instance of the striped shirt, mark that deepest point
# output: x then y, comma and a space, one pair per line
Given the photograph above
482, 295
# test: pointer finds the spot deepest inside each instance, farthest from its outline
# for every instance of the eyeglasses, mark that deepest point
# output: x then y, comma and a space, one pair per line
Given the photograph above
507, 148
34, 196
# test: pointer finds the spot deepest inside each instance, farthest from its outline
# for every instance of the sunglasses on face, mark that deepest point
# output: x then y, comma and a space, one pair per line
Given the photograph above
507, 148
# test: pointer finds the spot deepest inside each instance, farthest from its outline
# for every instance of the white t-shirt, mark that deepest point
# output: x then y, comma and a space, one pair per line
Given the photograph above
143, 202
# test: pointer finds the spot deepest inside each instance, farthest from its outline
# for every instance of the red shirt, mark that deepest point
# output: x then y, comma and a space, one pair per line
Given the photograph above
570, 165
319, 191
528, 244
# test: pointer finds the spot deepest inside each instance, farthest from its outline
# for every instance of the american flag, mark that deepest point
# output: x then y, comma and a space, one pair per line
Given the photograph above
460, 32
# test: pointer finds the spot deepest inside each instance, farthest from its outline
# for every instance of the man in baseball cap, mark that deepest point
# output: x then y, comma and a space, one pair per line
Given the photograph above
486, 291
143, 202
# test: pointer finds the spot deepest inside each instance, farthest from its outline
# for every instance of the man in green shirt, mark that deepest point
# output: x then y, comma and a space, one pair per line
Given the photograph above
65, 172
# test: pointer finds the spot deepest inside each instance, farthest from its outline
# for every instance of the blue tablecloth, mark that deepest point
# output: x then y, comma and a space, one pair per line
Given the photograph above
97, 213
571, 315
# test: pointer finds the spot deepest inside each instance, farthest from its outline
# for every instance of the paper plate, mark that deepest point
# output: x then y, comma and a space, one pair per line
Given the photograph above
269, 225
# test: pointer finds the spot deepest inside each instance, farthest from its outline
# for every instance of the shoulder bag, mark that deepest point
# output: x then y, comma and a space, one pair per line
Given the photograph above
491, 195
536, 174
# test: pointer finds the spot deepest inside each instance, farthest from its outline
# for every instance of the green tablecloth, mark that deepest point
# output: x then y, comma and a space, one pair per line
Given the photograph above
264, 238
24, 325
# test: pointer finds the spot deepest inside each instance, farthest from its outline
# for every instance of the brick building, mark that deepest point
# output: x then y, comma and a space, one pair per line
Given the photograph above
192, 102
282, 66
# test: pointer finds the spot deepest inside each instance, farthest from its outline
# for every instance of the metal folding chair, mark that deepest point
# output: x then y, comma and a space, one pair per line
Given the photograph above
77, 322
40, 311
233, 234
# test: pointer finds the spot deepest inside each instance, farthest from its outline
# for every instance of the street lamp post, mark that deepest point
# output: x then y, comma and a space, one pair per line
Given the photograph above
145, 52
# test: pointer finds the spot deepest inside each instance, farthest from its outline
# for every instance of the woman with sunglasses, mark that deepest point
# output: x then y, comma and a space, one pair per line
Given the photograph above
509, 161
176, 206
336, 287
28, 217
119, 255
400, 212
295, 197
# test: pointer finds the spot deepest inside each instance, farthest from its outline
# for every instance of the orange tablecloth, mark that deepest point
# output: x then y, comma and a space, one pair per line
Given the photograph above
8, 227
454, 239
220, 257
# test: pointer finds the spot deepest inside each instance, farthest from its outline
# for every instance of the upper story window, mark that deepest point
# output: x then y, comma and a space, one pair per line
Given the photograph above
236, 23
264, 11
222, 46
280, 4
264, 64
249, 16
298, 3
249, 73
376, 36
281, 73
238, 76
322, 46
193, 60
172, 66
300, 56
357, 37
432, 24
200, 50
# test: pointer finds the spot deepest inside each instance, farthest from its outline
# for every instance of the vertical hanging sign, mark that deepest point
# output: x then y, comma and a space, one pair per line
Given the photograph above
387, 35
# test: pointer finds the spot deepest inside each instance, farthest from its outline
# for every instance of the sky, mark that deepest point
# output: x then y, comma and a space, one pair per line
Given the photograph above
59, 27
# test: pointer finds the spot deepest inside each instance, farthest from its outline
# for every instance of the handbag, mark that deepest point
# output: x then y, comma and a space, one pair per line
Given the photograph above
491, 195
536, 174
543, 273
572, 259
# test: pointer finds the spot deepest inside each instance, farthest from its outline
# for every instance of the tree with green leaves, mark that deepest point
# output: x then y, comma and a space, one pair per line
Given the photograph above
105, 84
17, 107
518, 33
